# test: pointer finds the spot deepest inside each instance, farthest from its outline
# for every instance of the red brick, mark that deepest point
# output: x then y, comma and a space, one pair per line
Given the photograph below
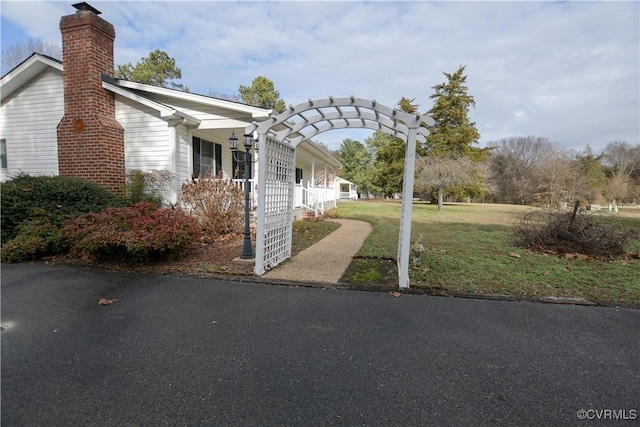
97, 153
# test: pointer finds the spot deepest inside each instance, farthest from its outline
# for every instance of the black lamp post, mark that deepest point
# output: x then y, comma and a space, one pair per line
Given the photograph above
247, 250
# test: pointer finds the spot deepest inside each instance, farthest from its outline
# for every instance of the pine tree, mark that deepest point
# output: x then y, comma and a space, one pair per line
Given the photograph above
157, 69
389, 153
262, 93
357, 162
453, 133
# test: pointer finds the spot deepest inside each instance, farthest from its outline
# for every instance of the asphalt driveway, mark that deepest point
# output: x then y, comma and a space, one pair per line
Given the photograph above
186, 351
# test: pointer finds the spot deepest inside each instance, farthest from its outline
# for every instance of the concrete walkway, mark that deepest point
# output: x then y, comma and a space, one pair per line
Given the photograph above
326, 260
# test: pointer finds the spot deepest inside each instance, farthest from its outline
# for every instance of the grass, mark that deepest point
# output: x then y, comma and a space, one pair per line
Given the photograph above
469, 249
307, 232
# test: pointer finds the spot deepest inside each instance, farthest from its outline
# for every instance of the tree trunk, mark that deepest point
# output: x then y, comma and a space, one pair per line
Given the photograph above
440, 198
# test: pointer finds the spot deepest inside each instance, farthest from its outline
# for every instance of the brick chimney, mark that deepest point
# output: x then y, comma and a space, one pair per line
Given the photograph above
90, 139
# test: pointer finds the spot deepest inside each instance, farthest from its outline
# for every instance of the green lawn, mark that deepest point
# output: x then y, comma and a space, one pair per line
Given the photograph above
469, 249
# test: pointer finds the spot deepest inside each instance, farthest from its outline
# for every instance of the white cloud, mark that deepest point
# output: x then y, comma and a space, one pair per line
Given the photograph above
568, 71
39, 20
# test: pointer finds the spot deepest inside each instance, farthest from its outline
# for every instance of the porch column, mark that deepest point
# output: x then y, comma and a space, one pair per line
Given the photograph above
324, 190
312, 187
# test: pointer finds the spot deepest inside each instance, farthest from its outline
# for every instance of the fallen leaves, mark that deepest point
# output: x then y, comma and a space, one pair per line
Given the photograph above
514, 255
395, 294
103, 301
578, 256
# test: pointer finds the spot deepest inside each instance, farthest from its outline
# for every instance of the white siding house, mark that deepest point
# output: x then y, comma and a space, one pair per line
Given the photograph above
345, 190
164, 129
32, 106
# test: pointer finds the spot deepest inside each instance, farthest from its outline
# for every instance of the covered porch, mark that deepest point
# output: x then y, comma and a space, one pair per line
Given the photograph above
346, 190
315, 174
314, 191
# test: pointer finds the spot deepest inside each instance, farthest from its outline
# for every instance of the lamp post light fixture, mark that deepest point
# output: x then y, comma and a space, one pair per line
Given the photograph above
244, 157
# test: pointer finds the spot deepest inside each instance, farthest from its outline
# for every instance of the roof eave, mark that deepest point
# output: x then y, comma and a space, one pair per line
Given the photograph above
255, 112
166, 113
25, 71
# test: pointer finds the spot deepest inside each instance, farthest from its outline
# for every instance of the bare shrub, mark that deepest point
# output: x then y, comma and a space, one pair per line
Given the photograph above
216, 203
572, 232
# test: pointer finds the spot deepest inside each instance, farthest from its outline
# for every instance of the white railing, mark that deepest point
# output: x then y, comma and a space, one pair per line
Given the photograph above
316, 199
253, 188
309, 200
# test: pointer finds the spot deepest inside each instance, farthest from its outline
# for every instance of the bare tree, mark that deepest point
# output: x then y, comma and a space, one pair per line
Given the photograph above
554, 179
617, 189
17, 52
622, 161
513, 167
443, 172
622, 158
234, 97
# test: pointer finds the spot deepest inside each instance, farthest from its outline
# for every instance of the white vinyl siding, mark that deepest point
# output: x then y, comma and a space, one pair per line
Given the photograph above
147, 138
208, 130
183, 152
227, 160
28, 122
199, 111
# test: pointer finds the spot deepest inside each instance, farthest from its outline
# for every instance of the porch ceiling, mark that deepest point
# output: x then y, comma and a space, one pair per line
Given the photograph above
306, 153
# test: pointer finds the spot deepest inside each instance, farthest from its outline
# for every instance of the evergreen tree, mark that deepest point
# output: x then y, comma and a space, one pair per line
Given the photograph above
589, 166
389, 153
453, 133
262, 93
157, 69
407, 105
356, 161
453, 136
388, 167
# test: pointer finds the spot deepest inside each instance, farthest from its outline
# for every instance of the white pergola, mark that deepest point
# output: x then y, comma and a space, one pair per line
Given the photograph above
278, 138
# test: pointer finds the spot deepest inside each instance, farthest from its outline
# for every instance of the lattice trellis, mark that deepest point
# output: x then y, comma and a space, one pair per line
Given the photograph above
279, 136
275, 203
278, 204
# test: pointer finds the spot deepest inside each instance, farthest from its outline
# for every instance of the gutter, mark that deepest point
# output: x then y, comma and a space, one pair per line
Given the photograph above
166, 113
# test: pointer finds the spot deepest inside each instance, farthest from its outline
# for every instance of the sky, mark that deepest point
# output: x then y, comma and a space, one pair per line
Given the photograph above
568, 71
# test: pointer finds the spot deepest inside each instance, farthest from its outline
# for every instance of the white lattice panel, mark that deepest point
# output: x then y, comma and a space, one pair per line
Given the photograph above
278, 204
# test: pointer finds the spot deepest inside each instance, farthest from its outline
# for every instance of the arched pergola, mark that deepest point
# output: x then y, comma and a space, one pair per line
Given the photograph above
278, 138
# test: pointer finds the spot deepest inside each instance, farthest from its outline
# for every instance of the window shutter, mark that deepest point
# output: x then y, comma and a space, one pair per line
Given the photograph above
218, 158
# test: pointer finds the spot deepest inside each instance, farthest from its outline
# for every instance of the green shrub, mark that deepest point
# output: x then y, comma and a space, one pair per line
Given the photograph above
23, 248
26, 197
147, 186
34, 239
138, 233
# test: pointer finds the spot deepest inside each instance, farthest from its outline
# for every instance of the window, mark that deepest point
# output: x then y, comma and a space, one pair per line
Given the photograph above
238, 167
207, 156
298, 175
3, 153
